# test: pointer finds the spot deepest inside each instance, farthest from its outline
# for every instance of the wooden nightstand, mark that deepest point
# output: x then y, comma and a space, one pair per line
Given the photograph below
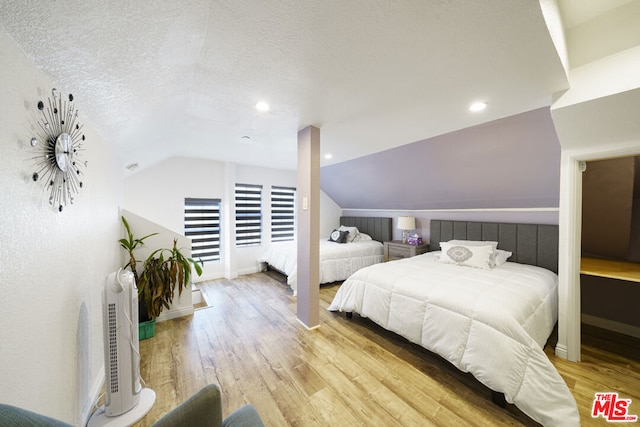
397, 250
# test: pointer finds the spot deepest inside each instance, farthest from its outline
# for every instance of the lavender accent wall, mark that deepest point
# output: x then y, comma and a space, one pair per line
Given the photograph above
508, 163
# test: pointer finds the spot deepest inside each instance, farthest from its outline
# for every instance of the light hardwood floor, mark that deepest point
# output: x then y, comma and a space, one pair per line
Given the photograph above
347, 372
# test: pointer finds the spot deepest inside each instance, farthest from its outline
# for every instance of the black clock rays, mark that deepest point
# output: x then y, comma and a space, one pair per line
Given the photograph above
58, 145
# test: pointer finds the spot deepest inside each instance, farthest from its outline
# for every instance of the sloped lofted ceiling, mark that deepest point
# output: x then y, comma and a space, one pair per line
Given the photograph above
163, 79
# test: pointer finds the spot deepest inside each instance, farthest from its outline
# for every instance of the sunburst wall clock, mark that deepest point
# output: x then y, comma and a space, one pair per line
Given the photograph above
58, 144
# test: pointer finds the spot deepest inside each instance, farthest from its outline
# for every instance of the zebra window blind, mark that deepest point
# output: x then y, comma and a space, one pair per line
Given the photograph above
248, 214
282, 213
202, 226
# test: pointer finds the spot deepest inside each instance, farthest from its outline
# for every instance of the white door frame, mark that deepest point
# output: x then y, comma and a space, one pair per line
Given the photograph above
570, 235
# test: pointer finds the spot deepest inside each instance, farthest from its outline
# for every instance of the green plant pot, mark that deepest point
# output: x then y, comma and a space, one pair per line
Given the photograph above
146, 329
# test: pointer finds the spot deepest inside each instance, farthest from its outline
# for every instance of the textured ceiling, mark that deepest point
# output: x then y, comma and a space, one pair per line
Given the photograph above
160, 79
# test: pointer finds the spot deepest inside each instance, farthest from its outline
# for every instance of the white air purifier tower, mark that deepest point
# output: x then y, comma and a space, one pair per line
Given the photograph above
126, 400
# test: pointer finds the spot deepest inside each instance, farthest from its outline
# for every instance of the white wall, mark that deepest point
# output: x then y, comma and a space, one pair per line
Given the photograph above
182, 304
595, 119
330, 214
53, 264
158, 192
246, 258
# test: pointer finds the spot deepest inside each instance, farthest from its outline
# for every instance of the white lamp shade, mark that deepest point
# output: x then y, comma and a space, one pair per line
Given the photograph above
406, 223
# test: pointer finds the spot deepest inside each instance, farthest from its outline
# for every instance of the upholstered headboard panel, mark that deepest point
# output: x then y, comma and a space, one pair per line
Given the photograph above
534, 244
377, 227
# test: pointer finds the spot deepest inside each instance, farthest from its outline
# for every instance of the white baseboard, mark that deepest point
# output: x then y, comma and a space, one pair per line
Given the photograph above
250, 270
611, 325
561, 351
173, 314
92, 399
196, 296
307, 327
205, 278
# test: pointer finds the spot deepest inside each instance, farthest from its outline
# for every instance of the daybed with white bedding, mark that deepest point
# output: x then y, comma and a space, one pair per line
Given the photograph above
362, 247
491, 321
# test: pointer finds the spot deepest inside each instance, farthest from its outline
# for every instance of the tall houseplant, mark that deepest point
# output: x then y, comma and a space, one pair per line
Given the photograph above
163, 270
130, 244
159, 274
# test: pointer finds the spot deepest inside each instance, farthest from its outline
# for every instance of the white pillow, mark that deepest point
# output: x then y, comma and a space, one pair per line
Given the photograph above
467, 255
353, 232
501, 257
362, 237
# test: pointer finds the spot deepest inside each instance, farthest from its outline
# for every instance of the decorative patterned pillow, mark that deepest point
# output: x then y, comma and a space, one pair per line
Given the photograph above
338, 236
467, 255
494, 246
353, 232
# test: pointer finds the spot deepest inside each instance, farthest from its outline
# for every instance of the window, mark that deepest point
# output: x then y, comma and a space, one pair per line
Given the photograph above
202, 225
283, 212
248, 214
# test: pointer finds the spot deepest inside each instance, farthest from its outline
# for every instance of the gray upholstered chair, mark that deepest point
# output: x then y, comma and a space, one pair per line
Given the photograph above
202, 409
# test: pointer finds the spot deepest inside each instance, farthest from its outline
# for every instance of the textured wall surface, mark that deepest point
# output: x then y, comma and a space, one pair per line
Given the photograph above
181, 78
508, 163
178, 178
53, 264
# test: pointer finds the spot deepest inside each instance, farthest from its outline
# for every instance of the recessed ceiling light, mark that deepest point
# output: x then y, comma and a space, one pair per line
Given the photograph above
478, 106
328, 156
262, 106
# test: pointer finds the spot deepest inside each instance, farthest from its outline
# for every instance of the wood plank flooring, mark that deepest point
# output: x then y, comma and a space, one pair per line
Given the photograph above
348, 371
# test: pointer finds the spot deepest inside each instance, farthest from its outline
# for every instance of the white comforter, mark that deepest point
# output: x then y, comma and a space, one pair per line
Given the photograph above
491, 323
337, 260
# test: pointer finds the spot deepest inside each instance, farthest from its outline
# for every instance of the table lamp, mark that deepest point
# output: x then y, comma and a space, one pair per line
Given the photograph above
406, 223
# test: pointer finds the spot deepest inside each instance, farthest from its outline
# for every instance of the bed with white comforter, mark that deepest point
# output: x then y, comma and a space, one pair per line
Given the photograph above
492, 323
337, 260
